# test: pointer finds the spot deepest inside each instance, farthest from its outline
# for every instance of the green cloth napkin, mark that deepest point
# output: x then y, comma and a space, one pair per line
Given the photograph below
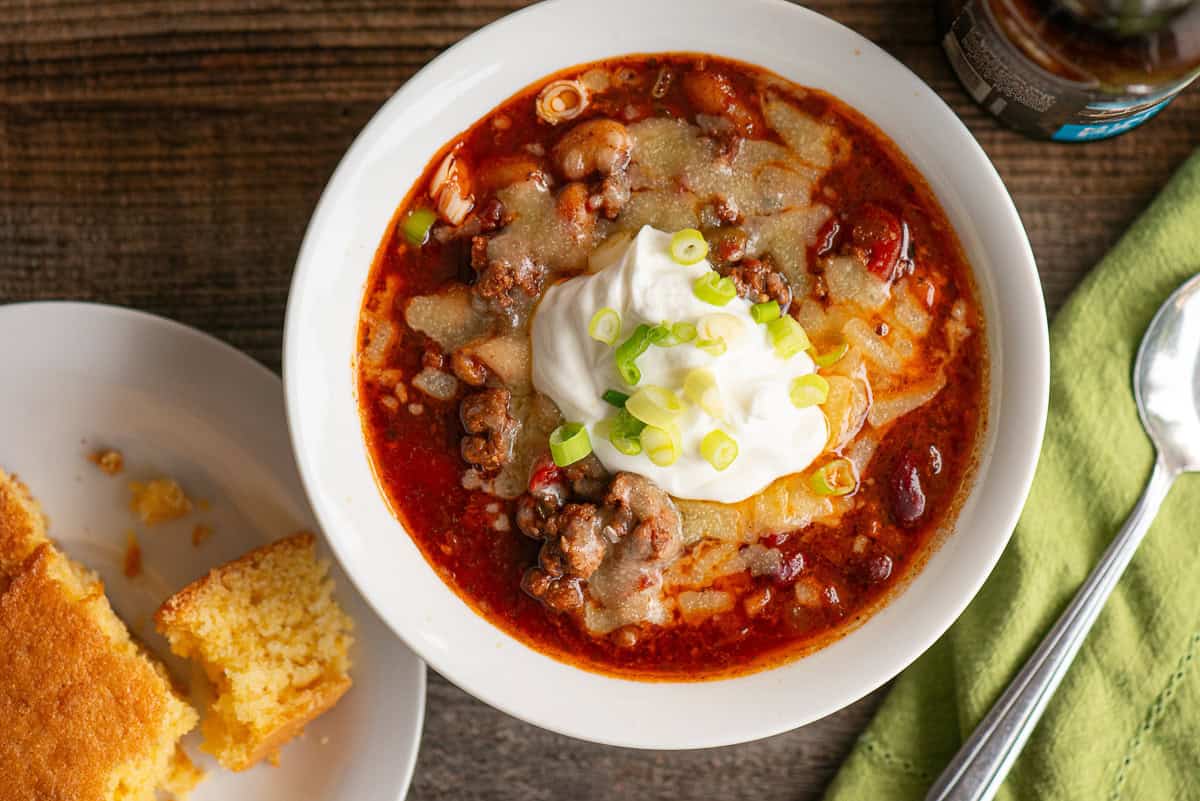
1125, 722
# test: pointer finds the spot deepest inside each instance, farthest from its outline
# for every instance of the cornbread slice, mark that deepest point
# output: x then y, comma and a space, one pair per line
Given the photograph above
22, 526
273, 641
84, 714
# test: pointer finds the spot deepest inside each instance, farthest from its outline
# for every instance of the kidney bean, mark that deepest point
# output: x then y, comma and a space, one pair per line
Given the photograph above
906, 496
878, 568
792, 567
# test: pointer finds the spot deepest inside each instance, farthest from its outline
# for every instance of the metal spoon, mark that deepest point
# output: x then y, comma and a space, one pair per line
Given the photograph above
1166, 384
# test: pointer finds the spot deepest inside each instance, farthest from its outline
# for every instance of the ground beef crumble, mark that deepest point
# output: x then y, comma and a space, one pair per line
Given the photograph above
628, 511
490, 427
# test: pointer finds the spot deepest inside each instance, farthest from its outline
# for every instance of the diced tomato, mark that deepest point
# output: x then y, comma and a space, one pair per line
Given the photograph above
731, 248
878, 235
545, 473
774, 540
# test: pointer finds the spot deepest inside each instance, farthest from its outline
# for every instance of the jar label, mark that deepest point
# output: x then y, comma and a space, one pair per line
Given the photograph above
1101, 129
1032, 100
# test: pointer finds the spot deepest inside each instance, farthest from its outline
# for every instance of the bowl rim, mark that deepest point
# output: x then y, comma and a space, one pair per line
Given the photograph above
1020, 327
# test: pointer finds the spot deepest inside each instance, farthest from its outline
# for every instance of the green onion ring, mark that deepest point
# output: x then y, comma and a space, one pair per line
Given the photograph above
569, 443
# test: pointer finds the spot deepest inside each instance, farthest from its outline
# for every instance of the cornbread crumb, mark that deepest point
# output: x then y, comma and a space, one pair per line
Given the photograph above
84, 713
271, 639
159, 500
201, 533
183, 776
132, 563
109, 461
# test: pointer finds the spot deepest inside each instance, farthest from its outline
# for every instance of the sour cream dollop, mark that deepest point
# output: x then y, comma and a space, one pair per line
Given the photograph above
644, 285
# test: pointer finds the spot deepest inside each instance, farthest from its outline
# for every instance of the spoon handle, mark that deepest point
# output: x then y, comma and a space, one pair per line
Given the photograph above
979, 767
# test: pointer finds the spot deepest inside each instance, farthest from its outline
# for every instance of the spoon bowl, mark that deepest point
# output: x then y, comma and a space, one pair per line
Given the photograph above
1166, 379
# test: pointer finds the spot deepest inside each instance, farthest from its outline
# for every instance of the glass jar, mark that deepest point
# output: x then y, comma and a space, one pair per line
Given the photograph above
1073, 70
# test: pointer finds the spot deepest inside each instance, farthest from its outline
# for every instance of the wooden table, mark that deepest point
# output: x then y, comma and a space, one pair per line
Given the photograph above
166, 155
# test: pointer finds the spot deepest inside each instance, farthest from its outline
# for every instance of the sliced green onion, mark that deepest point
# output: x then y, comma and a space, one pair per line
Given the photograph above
605, 326
700, 387
679, 333
808, 390
630, 446
722, 326
718, 449
713, 289
630, 373
614, 398
835, 478
655, 406
659, 333
688, 246
713, 347
626, 438
661, 445
624, 431
628, 352
635, 345
831, 356
569, 443
683, 332
417, 224
787, 336
765, 312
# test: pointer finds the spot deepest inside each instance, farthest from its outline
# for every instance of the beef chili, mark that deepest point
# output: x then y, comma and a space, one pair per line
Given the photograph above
816, 220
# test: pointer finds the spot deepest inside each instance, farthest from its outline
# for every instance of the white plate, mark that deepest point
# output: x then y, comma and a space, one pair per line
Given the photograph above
445, 98
179, 403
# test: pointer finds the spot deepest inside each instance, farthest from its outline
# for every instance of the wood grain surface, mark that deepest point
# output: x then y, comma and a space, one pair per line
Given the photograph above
166, 155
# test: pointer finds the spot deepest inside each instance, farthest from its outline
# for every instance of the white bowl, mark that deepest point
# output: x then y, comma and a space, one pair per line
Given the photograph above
444, 99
